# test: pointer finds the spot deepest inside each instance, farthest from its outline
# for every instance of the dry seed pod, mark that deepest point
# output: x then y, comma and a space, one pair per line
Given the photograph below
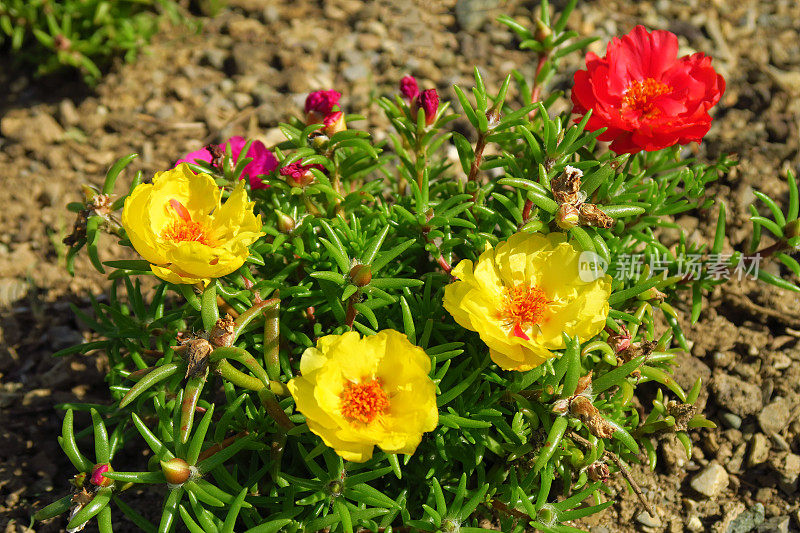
582, 408
222, 334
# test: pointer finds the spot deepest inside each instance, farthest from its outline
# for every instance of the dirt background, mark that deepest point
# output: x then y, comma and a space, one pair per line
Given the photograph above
251, 66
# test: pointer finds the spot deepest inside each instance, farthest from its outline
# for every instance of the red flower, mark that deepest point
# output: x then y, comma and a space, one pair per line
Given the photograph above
645, 95
322, 102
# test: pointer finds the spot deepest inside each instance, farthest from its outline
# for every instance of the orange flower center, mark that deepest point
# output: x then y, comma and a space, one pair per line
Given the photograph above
183, 228
639, 96
364, 401
524, 305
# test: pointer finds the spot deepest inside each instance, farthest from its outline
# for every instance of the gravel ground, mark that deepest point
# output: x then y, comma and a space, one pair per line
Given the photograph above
250, 67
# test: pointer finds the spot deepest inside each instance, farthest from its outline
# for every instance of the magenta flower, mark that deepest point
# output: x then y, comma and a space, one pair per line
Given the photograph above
263, 161
409, 87
322, 102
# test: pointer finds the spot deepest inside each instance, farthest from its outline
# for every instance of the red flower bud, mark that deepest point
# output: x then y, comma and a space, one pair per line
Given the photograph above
97, 477
429, 102
300, 175
409, 88
176, 471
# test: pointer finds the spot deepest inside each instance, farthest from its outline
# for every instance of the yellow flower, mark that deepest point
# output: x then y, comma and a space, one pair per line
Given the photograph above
523, 294
178, 224
358, 392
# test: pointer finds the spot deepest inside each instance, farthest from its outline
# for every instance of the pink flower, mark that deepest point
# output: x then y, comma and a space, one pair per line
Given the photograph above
322, 102
409, 87
428, 100
334, 123
97, 477
299, 174
263, 161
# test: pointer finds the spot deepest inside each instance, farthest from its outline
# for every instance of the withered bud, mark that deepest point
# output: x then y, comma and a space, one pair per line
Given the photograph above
681, 412
560, 407
217, 153
582, 408
361, 275
222, 333
176, 471
492, 117
97, 477
82, 497
197, 352
61, 42
592, 215
101, 204
620, 341
566, 187
584, 384
567, 216
635, 350
598, 471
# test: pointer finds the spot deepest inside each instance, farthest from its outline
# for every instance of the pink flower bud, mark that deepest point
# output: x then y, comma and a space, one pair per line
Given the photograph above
300, 175
409, 88
334, 123
97, 477
322, 101
429, 102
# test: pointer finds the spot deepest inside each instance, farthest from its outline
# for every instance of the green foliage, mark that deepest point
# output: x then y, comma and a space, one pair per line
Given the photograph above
85, 35
509, 445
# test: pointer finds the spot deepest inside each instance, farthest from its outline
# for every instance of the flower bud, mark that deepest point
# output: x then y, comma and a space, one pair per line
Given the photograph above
792, 229
429, 102
176, 471
567, 216
286, 224
320, 104
78, 480
334, 123
543, 31
361, 275
97, 477
300, 175
560, 407
409, 88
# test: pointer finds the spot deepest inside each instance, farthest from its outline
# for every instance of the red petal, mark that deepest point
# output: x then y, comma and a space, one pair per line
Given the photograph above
180, 210
519, 333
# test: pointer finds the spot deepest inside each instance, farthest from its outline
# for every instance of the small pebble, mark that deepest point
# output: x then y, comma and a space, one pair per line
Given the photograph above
711, 481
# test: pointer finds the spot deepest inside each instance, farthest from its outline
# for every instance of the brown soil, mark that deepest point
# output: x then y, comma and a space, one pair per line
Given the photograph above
251, 66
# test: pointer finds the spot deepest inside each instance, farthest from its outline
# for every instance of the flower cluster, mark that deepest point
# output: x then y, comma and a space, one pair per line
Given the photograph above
372, 296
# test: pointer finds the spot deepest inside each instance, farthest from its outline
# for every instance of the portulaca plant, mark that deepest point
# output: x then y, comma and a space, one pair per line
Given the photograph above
347, 335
